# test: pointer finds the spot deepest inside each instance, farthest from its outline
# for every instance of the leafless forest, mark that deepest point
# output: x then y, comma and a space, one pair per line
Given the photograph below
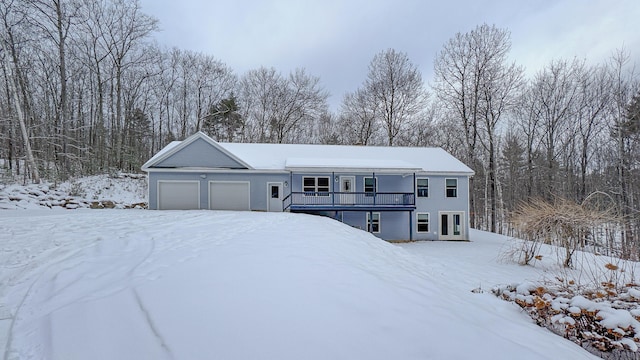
85, 90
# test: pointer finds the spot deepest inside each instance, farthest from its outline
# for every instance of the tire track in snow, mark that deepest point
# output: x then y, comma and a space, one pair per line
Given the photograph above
50, 272
113, 257
23, 301
152, 326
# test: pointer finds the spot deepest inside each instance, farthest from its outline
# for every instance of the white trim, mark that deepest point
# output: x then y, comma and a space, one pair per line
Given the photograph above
364, 183
351, 170
353, 181
307, 171
450, 236
428, 222
428, 186
379, 222
280, 194
216, 170
175, 181
316, 184
445, 188
228, 182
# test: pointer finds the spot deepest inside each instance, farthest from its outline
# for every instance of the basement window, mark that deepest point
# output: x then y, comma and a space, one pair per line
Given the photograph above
422, 220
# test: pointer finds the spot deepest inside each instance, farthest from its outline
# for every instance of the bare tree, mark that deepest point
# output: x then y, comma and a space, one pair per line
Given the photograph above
555, 93
358, 118
475, 81
624, 87
281, 109
395, 85
11, 67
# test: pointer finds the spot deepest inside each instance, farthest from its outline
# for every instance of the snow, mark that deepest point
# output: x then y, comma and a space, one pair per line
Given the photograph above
341, 163
117, 190
132, 284
286, 156
274, 156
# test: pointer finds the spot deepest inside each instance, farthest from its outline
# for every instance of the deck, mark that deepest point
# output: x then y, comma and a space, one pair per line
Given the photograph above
349, 201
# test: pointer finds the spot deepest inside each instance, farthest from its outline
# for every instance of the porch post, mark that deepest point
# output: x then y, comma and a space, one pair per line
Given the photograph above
410, 225
375, 188
333, 187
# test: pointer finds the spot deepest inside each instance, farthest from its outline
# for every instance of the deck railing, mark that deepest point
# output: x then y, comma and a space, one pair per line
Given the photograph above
345, 200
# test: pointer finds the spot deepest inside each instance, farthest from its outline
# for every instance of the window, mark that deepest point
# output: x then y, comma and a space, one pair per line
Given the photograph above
370, 185
275, 191
452, 188
422, 220
315, 186
373, 222
422, 187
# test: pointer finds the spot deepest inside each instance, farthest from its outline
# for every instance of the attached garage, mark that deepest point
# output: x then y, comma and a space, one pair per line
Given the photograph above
178, 195
229, 195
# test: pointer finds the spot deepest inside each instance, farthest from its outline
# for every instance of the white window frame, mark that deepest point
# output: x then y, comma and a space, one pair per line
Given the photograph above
370, 223
418, 222
316, 187
375, 184
446, 188
418, 190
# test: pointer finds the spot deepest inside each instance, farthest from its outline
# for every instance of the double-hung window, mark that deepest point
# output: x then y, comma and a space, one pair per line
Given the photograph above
422, 187
370, 186
373, 222
422, 220
452, 188
315, 185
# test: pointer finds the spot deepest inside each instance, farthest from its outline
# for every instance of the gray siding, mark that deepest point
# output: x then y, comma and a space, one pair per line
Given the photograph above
200, 154
386, 183
258, 185
394, 225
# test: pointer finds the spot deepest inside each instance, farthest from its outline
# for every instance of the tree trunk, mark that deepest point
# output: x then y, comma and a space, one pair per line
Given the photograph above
35, 175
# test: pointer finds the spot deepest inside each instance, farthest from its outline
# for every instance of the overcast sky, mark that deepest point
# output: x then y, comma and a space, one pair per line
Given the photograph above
335, 40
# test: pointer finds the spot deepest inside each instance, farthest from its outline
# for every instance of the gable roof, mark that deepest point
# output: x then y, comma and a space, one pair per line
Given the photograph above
175, 147
307, 157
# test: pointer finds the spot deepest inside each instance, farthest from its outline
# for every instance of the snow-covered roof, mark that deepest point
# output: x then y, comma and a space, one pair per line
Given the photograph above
304, 156
339, 157
296, 163
165, 150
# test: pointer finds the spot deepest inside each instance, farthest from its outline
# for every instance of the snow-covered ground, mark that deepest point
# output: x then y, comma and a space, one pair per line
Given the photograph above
98, 191
138, 284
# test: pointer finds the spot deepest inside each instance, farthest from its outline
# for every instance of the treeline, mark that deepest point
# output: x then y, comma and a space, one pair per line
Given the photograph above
85, 90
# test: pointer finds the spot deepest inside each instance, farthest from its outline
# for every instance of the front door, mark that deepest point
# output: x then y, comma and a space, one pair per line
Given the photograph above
274, 196
347, 185
451, 225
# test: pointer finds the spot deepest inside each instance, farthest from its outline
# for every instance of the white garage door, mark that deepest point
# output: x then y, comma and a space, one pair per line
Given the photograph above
178, 195
229, 195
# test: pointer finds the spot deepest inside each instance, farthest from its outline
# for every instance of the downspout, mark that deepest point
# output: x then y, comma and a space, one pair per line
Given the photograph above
411, 211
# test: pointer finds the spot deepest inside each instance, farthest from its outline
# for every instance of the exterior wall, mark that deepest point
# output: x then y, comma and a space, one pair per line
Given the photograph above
394, 225
258, 185
437, 202
200, 154
386, 182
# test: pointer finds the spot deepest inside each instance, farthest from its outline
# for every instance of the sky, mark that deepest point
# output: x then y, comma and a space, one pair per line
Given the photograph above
335, 40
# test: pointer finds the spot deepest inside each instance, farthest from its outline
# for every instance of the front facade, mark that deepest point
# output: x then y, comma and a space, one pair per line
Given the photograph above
395, 193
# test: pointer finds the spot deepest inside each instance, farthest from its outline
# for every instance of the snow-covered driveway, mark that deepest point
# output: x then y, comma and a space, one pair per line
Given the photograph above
135, 284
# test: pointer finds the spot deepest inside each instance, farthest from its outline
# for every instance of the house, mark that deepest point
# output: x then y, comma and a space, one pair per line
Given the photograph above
396, 193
